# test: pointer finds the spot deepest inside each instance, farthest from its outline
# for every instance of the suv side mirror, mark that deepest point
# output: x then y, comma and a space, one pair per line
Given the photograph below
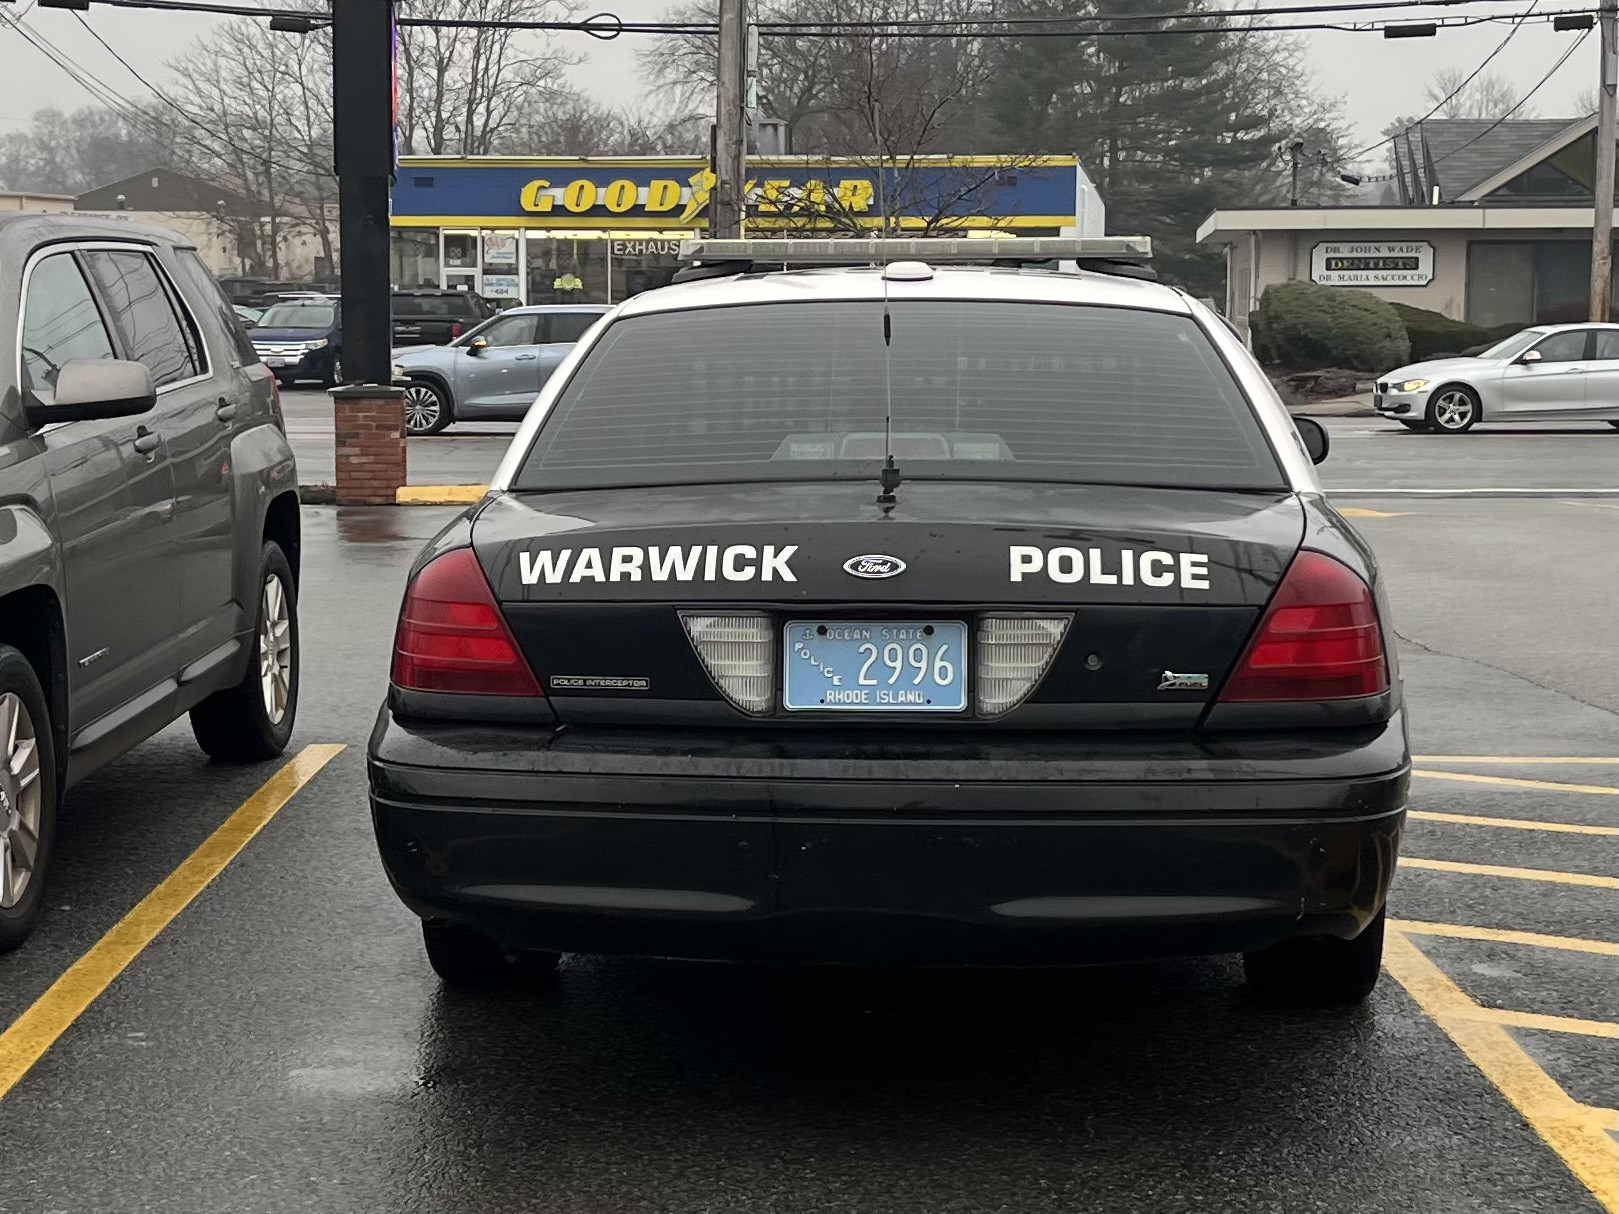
88, 389
477, 345
1529, 358
1314, 434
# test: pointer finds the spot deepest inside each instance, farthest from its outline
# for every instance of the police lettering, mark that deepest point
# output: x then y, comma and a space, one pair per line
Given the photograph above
695, 563
1123, 567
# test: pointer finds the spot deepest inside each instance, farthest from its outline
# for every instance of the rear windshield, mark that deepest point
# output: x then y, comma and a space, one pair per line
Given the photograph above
978, 391
433, 305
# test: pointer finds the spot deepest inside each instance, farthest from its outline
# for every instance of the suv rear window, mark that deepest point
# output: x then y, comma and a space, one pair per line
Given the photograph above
980, 391
435, 305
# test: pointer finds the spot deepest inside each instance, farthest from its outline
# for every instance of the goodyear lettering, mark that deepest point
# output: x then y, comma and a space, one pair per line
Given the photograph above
1127, 567
693, 563
622, 196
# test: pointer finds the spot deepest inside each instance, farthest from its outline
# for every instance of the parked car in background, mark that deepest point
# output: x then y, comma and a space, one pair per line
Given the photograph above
1550, 373
150, 562
302, 339
492, 372
434, 318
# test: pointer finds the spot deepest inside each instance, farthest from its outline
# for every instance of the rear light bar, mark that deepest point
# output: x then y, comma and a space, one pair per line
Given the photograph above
455, 329
452, 637
1320, 639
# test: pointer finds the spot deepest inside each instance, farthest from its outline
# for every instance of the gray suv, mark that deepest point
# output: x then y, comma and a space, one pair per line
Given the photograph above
149, 531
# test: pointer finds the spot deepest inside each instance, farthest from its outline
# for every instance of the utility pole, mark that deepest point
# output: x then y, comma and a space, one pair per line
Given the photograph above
726, 203
1602, 192
363, 139
1294, 152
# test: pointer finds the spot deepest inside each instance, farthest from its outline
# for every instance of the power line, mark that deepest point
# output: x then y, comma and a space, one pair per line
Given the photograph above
1102, 18
1522, 101
1451, 96
152, 88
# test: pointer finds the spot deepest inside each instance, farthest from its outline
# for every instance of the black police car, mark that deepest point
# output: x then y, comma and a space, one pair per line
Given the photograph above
919, 614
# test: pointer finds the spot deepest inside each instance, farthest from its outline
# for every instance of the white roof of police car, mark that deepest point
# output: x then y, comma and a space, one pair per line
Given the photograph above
990, 284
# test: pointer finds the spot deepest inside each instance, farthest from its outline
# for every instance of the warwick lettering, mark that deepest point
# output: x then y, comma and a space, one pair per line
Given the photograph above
696, 563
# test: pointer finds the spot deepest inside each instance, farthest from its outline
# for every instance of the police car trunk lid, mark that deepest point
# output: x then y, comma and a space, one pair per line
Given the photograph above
1158, 589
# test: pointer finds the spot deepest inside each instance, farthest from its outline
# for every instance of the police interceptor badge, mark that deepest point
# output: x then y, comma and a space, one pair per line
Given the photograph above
874, 566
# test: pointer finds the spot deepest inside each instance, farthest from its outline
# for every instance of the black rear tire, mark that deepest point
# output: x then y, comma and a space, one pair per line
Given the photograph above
17, 678
237, 725
1320, 969
464, 957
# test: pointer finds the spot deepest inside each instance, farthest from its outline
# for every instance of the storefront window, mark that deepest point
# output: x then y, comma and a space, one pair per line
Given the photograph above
414, 259
567, 270
460, 250
641, 265
1529, 282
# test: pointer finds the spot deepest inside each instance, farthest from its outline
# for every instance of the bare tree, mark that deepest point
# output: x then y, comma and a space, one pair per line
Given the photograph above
570, 124
464, 92
70, 153
849, 94
1488, 95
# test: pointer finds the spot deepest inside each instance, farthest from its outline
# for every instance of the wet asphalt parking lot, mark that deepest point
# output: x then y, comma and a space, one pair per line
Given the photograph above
281, 1045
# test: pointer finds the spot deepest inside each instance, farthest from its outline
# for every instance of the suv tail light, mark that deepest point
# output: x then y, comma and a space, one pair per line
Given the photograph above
452, 637
1320, 639
455, 328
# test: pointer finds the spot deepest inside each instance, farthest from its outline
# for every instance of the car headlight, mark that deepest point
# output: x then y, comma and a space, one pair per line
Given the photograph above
1413, 385
315, 345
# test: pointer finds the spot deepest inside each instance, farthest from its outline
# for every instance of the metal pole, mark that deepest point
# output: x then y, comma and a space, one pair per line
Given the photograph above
730, 150
1294, 152
1602, 194
363, 144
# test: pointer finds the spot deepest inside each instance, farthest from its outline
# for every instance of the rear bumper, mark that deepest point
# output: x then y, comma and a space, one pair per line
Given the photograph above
598, 841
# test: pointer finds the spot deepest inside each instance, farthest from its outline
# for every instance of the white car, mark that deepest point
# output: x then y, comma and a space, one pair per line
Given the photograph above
1550, 373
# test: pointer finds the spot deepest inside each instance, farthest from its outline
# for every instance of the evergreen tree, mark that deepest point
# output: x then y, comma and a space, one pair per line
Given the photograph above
1169, 126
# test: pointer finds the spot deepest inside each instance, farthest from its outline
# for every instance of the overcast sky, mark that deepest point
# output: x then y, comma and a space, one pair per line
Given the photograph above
1378, 79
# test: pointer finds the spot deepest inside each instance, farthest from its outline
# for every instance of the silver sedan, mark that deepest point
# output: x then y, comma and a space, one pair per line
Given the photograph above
492, 373
1550, 373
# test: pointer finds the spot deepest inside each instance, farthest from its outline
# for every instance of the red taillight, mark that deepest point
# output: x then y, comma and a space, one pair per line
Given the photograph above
1320, 639
455, 328
452, 637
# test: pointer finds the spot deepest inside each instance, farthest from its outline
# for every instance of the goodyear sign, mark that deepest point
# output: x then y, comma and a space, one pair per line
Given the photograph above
673, 192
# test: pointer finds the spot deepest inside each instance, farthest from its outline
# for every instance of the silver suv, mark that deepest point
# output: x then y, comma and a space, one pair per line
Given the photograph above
149, 532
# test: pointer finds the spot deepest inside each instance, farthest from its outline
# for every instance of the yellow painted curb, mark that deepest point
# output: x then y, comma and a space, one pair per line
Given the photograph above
440, 495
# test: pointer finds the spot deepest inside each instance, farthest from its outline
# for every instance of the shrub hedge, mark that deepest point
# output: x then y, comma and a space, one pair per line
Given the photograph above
1302, 327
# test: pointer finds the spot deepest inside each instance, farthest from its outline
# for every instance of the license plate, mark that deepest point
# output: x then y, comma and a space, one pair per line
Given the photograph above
874, 666
277, 362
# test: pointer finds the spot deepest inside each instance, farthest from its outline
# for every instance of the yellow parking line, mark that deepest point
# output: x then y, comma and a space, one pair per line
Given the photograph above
1521, 874
1509, 782
1503, 935
1573, 1130
1550, 1024
439, 495
1507, 760
1566, 828
1603, 1119
1367, 512
37, 1029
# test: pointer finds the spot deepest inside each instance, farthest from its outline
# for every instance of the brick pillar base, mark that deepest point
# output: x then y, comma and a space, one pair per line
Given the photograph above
370, 445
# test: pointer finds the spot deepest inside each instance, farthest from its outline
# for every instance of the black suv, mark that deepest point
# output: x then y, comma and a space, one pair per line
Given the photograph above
436, 318
149, 531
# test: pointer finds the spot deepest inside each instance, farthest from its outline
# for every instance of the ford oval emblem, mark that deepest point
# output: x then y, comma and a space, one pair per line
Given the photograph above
874, 566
